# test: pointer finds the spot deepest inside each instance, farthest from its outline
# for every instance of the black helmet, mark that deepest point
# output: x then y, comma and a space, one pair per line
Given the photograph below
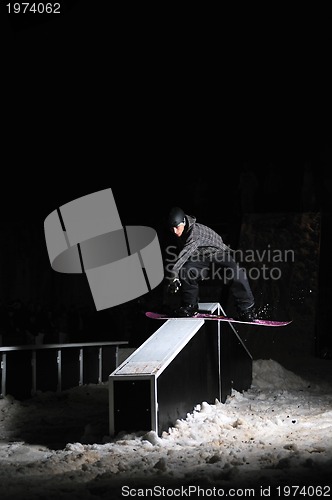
176, 216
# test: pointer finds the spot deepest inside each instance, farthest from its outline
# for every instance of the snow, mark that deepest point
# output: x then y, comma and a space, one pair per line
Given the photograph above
258, 443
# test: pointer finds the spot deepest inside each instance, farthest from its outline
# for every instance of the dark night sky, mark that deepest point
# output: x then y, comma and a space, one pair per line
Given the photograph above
97, 99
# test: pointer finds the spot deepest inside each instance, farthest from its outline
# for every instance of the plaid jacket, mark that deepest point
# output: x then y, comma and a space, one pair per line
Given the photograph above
196, 241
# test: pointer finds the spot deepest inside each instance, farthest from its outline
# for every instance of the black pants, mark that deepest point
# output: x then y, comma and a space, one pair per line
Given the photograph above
220, 266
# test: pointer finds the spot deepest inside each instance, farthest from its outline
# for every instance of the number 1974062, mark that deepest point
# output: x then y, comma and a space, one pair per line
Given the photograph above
35, 8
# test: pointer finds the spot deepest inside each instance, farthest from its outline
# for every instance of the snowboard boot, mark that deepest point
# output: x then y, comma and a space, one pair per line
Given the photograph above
186, 311
247, 314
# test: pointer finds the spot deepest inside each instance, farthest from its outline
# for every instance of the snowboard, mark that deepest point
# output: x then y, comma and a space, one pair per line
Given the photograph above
217, 317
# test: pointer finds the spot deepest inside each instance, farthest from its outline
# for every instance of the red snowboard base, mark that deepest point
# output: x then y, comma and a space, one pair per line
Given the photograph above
257, 322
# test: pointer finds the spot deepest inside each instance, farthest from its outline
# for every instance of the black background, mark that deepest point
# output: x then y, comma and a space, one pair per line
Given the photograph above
149, 102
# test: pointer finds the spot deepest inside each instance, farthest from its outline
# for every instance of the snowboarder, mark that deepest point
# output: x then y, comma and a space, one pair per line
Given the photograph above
199, 249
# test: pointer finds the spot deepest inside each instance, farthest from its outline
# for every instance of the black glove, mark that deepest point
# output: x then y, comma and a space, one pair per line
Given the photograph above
174, 286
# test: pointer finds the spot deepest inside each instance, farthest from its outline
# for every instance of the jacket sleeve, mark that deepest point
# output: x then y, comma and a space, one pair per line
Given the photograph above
187, 251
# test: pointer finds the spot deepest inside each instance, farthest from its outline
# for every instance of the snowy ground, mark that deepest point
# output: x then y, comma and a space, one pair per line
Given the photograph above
275, 436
